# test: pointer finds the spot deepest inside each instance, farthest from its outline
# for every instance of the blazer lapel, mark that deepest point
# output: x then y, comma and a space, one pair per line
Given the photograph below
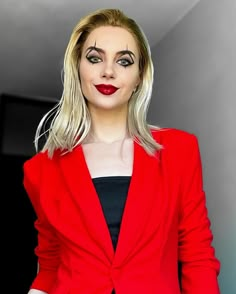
144, 191
144, 187
79, 182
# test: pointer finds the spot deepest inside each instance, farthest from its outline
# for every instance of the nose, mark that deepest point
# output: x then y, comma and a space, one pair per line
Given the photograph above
108, 71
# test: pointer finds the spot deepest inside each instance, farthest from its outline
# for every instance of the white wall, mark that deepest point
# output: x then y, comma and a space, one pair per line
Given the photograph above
195, 90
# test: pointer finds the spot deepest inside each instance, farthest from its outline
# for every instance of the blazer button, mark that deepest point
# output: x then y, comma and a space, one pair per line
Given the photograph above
115, 274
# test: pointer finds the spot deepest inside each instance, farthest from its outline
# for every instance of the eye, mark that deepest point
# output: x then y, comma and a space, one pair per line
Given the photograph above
124, 62
94, 59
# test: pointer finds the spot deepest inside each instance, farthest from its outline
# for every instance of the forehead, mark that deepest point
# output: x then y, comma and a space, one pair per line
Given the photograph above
113, 38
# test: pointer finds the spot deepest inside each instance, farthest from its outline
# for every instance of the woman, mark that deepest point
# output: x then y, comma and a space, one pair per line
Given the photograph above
119, 203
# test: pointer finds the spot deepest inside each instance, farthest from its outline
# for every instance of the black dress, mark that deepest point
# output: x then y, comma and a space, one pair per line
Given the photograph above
112, 192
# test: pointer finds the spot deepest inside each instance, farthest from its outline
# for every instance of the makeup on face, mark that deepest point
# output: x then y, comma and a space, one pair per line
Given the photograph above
124, 57
95, 55
106, 89
109, 68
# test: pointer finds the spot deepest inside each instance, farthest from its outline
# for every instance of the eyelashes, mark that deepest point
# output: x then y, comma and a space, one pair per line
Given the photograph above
124, 62
121, 61
94, 59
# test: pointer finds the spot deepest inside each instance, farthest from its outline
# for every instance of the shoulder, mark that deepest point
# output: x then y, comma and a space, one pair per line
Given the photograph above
32, 169
180, 152
33, 166
35, 161
41, 157
177, 145
40, 160
174, 138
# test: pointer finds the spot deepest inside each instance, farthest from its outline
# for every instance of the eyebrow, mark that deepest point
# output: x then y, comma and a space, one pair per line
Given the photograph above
100, 50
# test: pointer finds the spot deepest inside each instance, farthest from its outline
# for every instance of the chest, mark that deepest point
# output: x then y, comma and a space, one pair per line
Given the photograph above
114, 159
151, 202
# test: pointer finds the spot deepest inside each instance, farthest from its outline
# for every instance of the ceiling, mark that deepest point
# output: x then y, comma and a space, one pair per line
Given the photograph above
34, 33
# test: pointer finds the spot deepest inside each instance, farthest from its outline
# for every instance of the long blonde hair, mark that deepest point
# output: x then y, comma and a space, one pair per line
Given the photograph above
71, 121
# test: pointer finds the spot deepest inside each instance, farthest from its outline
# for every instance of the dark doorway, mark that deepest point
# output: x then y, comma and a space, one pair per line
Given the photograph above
19, 117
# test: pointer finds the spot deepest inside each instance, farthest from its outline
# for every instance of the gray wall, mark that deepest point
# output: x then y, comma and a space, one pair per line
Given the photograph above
195, 90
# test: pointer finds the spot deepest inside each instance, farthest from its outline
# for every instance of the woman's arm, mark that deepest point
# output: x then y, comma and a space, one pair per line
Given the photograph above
200, 267
47, 249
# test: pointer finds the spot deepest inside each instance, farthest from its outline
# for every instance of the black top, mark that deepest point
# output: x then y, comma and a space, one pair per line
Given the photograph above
112, 192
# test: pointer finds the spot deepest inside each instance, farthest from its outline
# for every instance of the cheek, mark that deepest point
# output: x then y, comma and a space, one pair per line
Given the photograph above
87, 76
84, 70
82, 78
134, 78
135, 82
82, 82
81, 71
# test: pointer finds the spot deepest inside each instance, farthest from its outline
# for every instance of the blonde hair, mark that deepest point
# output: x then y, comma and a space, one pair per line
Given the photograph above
71, 121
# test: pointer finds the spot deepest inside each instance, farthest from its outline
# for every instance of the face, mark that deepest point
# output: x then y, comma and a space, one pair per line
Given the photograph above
109, 68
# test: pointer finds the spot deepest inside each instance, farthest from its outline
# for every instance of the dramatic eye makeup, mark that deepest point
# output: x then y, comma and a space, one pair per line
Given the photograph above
93, 58
124, 57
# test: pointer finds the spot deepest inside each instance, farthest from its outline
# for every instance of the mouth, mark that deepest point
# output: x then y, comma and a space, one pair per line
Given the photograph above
106, 89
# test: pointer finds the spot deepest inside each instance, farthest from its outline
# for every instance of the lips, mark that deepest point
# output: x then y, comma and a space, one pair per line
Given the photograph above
106, 89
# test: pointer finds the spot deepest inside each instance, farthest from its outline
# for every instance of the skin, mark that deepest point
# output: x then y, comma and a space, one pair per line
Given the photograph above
109, 56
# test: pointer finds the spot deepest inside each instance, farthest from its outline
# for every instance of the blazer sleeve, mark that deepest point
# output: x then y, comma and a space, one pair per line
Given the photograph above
200, 267
47, 249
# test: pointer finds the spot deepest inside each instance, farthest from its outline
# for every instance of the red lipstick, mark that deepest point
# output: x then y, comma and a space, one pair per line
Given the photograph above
106, 89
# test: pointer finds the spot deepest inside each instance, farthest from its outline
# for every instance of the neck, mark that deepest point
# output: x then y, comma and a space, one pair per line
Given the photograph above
108, 127
107, 134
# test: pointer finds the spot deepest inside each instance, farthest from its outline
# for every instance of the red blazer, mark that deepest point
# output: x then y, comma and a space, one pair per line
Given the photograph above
165, 221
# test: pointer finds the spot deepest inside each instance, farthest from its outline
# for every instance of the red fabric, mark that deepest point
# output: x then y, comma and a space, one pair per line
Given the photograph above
165, 221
